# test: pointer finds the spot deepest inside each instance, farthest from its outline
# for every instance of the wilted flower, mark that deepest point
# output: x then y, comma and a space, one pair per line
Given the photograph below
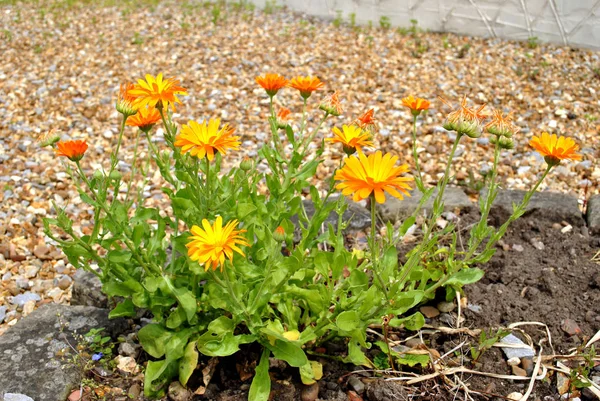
554, 149
145, 118
74, 150
367, 120
272, 83
362, 176
282, 117
416, 105
155, 92
49, 138
332, 105
125, 100
351, 137
465, 120
210, 246
501, 125
206, 138
306, 85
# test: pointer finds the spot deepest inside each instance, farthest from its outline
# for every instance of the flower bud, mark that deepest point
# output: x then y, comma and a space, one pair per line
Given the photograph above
246, 164
279, 234
97, 174
115, 175
49, 138
332, 105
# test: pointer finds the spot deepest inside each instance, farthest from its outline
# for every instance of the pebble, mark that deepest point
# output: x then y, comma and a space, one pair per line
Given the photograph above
64, 282
517, 371
537, 244
513, 361
310, 393
178, 393
127, 349
525, 351
516, 396
127, 364
518, 247
429, 311
21, 299
527, 364
134, 391
356, 384
2, 313
446, 306
28, 308
570, 327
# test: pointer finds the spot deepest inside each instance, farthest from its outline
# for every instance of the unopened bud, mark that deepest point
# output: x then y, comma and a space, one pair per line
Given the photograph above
115, 175
279, 234
246, 164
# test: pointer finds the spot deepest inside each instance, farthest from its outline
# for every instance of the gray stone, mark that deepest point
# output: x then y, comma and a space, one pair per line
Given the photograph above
87, 290
394, 209
2, 313
28, 361
357, 217
522, 352
16, 397
593, 214
22, 299
552, 206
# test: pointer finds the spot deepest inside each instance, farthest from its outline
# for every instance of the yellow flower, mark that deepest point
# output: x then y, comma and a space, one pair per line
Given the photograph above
351, 137
211, 245
362, 176
554, 149
155, 91
206, 138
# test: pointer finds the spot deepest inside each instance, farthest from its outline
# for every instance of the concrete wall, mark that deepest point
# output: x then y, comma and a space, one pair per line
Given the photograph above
569, 22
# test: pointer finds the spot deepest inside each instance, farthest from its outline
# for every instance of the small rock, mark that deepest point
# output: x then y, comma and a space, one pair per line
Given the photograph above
513, 361
127, 364
55, 294
429, 311
134, 391
537, 244
474, 308
127, 349
517, 371
525, 351
22, 299
2, 313
527, 364
42, 252
570, 327
178, 393
356, 384
563, 383
446, 307
75, 396
64, 282
310, 393
17, 397
566, 229
32, 271
28, 307
518, 247
352, 396
516, 396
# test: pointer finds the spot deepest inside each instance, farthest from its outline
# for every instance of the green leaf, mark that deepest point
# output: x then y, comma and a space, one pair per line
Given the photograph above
123, 309
406, 225
244, 209
153, 338
175, 347
119, 256
188, 363
389, 262
406, 300
413, 359
187, 301
157, 376
413, 322
465, 276
289, 352
289, 132
176, 318
261, 384
348, 320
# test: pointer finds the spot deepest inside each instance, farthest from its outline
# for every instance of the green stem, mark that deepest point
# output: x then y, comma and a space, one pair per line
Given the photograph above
303, 124
208, 194
114, 156
440, 194
375, 247
419, 177
133, 166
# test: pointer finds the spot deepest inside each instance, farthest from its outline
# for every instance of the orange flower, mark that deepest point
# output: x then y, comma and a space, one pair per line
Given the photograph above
465, 120
206, 138
279, 234
74, 150
501, 125
554, 149
210, 246
362, 176
125, 100
306, 85
351, 137
367, 120
332, 105
416, 105
156, 91
272, 83
145, 118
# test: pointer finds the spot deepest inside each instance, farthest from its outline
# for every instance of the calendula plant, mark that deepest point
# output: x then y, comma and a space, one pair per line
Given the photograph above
221, 267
